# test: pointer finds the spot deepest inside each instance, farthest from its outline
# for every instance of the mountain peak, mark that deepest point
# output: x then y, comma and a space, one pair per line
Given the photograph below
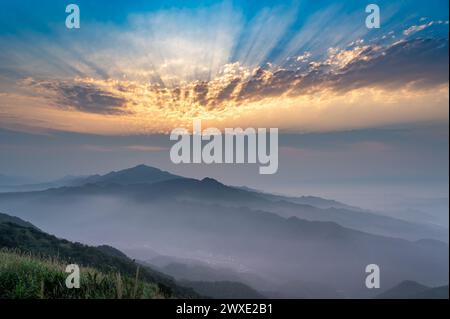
134, 175
212, 181
142, 168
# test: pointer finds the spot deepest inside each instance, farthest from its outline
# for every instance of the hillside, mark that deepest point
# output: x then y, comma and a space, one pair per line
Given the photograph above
26, 277
4, 218
433, 293
106, 260
17, 238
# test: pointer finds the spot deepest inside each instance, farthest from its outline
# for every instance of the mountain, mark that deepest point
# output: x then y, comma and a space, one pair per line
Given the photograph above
210, 191
305, 290
239, 229
134, 175
6, 180
403, 290
223, 289
209, 280
433, 293
195, 270
422, 210
314, 201
413, 290
33, 187
17, 235
318, 209
111, 251
4, 218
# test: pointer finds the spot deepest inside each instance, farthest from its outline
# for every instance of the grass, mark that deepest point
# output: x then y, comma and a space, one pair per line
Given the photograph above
106, 261
27, 276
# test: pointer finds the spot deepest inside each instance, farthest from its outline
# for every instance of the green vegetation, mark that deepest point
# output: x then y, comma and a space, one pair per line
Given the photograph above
32, 265
24, 276
4, 218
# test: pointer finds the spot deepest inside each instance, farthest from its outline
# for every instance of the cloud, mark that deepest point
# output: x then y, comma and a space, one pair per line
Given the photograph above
121, 148
416, 28
147, 148
160, 70
421, 62
371, 74
81, 96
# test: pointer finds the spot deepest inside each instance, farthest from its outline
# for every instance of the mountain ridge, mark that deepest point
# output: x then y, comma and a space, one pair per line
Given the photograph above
162, 185
409, 289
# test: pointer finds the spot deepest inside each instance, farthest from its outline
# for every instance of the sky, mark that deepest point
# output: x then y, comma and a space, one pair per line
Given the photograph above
357, 108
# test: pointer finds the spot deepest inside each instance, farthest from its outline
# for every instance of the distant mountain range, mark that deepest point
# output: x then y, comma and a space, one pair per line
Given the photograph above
223, 289
191, 270
148, 183
278, 238
413, 290
135, 175
7, 180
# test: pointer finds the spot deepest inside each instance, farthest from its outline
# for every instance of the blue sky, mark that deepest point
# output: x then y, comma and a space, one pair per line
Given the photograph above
28, 14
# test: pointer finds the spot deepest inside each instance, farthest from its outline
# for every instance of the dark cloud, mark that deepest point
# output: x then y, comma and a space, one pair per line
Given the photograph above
84, 97
201, 91
422, 62
419, 62
226, 92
